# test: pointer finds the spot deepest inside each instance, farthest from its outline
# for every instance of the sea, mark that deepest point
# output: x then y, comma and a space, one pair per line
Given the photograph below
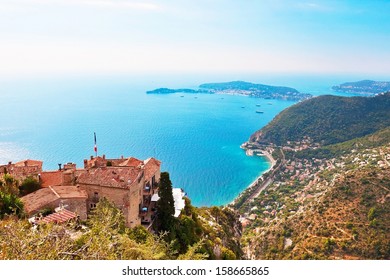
197, 137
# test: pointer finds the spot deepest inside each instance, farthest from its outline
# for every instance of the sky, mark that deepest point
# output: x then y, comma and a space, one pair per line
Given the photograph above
59, 37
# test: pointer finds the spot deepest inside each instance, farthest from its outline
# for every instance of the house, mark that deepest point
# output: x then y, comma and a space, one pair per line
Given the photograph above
129, 183
73, 198
22, 169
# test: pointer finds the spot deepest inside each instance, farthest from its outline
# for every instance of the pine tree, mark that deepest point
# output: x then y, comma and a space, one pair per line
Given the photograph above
165, 206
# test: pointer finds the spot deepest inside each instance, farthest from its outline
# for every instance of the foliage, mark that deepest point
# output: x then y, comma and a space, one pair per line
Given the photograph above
29, 185
10, 204
327, 120
194, 252
105, 238
376, 139
165, 206
9, 185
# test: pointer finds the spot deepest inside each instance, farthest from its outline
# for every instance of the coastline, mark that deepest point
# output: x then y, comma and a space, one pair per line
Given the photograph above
257, 151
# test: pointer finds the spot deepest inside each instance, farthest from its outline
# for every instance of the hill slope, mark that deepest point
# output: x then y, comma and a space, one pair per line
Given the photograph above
327, 120
333, 208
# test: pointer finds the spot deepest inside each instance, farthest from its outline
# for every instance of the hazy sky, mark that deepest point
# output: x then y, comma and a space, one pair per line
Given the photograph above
44, 37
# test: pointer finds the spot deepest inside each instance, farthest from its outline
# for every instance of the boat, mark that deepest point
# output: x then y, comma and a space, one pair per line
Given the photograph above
242, 106
260, 112
269, 103
258, 105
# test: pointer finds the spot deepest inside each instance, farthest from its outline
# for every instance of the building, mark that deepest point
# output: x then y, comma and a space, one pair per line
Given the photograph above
73, 198
22, 169
129, 183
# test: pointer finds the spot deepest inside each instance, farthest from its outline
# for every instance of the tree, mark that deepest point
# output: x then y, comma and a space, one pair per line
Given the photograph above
29, 185
10, 204
9, 185
9, 200
165, 206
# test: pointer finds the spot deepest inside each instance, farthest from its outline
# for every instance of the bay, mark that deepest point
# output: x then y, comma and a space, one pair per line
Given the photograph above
197, 137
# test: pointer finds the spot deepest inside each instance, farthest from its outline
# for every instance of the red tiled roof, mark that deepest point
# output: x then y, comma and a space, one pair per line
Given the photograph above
152, 165
116, 177
51, 178
131, 162
37, 200
61, 216
29, 162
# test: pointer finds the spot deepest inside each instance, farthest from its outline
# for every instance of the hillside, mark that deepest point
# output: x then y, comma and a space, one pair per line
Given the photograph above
332, 208
327, 120
363, 87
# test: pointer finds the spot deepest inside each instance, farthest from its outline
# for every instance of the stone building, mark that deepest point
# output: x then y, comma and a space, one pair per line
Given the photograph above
22, 169
73, 198
129, 183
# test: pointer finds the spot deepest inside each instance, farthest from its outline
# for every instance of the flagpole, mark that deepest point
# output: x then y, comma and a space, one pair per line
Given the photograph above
95, 147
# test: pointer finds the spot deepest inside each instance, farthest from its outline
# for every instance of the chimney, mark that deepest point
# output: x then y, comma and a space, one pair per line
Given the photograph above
104, 157
122, 157
91, 157
25, 163
59, 166
10, 162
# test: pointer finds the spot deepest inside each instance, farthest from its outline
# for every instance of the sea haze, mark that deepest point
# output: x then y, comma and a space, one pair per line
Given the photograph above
197, 137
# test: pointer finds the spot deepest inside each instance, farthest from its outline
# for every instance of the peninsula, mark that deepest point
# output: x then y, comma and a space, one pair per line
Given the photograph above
363, 87
241, 88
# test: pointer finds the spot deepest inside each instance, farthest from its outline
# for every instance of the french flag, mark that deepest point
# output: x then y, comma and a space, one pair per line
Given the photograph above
95, 147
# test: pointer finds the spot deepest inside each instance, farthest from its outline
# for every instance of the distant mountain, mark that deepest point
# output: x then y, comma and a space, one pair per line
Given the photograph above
363, 87
170, 90
241, 88
327, 120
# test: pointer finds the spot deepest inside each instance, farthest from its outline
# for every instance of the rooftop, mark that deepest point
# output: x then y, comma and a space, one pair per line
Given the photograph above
39, 199
61, 216
29, 162
152, 165
115, 177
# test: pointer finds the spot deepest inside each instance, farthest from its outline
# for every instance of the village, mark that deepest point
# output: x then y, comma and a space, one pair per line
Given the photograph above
292, 182
72, 193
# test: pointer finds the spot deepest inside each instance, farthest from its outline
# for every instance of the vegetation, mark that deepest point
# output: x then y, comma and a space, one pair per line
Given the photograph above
325, 203
365, 87
29, 185
350, 221
374, 140
165, 206
327, 120
196, 234
10, 204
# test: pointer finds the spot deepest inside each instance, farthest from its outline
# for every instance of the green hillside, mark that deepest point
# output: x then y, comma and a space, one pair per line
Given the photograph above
327, 120
333, 207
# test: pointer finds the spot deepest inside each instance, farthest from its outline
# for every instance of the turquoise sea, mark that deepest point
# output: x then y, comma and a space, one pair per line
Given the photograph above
197, 137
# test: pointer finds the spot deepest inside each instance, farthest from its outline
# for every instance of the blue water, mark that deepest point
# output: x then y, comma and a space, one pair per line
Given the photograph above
197, 137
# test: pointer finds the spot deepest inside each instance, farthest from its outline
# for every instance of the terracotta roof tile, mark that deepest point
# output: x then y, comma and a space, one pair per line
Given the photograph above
152, 165
61, 216
116, 177
37, 200
29, 162
131, 162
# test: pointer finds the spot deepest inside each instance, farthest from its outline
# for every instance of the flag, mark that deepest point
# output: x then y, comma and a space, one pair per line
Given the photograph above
95, 147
